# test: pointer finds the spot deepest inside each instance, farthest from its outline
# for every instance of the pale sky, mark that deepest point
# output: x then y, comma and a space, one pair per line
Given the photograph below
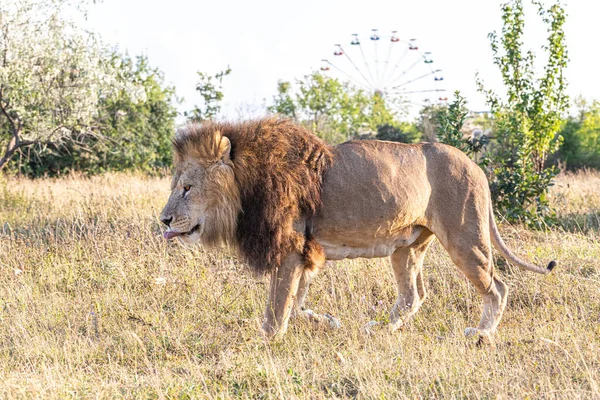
264, 41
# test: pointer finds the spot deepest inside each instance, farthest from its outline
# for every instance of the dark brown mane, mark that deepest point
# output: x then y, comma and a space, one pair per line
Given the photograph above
279, 168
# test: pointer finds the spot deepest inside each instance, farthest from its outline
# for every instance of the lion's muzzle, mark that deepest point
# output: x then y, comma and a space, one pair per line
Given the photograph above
170, 234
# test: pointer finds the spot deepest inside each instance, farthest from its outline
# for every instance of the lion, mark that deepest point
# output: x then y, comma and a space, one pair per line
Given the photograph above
288, 202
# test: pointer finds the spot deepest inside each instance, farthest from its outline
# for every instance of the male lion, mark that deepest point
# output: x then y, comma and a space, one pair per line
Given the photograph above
288, 203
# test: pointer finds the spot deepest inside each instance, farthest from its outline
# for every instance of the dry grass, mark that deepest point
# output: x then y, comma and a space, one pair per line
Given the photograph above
94, 304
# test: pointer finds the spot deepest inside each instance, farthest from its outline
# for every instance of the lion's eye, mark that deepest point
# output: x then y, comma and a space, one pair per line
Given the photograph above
187, 188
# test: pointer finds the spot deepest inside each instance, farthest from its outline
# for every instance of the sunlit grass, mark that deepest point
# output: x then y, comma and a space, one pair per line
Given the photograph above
95, 304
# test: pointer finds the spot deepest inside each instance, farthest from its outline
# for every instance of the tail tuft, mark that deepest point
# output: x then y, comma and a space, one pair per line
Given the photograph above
510, 257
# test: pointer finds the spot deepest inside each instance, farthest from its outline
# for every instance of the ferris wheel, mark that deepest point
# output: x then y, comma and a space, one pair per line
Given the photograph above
390, 67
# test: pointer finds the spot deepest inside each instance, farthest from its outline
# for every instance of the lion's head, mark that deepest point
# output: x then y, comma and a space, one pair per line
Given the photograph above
246, 184
205, 199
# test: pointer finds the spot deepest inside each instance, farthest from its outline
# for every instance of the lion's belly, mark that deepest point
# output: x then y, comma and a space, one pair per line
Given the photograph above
333, 252
366, 246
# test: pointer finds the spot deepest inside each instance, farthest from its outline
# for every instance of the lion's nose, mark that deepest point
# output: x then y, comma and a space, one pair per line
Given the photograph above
167, 221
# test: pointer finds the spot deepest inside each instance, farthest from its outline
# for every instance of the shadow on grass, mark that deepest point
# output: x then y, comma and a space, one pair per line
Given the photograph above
585, 223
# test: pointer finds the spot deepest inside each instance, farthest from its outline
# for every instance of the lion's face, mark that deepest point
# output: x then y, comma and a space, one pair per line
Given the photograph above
204, 201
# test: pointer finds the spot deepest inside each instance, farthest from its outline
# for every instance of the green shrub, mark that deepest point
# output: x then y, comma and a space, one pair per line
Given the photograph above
581, 138
450, 121
401, 132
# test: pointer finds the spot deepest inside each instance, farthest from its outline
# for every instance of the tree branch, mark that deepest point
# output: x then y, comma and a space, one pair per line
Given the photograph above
11, 149
14, 143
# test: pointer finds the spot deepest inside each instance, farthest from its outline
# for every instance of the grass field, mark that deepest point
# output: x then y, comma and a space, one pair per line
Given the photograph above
95, 304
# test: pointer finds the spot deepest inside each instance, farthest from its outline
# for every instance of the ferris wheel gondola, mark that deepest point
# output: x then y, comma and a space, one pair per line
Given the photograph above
406, 73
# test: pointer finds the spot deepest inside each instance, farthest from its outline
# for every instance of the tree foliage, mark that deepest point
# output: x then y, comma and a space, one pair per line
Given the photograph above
334, 110
428, 121
527, 120
69, 102
210, 88
135, 134
142, 130
581, 137
402, 132
450, 121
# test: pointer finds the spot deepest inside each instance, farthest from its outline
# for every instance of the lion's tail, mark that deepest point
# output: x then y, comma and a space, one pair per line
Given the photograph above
506, 253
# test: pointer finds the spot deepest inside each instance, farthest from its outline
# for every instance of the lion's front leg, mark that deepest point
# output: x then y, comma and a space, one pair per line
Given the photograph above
282, 293
303, 285
299, 311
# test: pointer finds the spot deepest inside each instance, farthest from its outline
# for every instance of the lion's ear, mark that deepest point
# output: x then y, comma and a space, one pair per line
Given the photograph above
224, 148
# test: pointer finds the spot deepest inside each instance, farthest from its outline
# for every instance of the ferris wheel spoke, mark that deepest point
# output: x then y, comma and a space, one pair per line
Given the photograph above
377, 82
406, 71
366, 65
415, 79
397, 64
420, 104
362, 84
387, 60
356, 68
405, 102
426, 103
417, 91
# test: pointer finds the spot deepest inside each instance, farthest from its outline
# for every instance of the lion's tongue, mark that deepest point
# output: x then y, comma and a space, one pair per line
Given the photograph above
171, 234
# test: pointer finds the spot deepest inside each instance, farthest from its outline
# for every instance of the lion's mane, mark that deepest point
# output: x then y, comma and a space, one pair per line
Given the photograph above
279, 168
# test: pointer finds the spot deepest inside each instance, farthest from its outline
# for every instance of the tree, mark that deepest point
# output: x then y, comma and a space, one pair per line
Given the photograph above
135, 134
210, 88
527, 121
52, 77
142, 129
331, 108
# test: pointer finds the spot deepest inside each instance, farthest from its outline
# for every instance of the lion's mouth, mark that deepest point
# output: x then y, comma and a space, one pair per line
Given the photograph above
171, 234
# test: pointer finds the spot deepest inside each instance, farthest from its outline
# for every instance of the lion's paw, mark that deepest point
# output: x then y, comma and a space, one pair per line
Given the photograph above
484, 337
269, 332
370, 327
470, 332
397, 325
334, 323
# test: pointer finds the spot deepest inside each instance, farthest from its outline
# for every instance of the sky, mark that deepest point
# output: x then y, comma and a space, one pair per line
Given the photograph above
264, 41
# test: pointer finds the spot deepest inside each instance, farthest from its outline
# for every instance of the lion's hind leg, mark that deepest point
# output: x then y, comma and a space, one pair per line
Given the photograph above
407, 263
494, 302
477, 265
